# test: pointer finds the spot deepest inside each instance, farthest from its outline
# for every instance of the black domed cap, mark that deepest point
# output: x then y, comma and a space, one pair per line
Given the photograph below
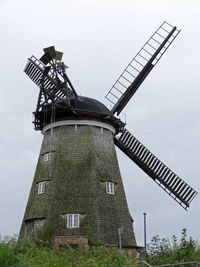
91, 104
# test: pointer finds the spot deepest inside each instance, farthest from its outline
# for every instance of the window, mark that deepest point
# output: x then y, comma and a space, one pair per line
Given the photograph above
47, 156
110, 188
41, 187
72, 220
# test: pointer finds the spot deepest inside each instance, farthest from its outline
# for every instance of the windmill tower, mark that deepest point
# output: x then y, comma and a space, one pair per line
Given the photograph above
77, 180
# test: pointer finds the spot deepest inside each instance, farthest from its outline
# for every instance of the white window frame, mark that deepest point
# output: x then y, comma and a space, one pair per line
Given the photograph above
41, 187
110, 188
73, 220
47, 156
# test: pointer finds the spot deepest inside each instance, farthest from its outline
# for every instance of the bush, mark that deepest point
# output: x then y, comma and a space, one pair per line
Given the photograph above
160, 251
42, 237
25, 253
7, 251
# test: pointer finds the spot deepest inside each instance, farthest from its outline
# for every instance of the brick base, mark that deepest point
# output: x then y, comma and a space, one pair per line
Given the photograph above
81, 242
131, 253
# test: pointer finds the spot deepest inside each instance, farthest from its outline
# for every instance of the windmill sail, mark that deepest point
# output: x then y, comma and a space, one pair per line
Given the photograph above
158, 171
53, 88
140, 66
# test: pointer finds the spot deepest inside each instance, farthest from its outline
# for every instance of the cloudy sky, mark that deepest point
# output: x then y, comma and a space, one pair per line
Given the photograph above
99, 38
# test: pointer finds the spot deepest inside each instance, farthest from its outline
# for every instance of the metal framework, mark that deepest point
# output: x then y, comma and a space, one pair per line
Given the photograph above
54, 84
49, 75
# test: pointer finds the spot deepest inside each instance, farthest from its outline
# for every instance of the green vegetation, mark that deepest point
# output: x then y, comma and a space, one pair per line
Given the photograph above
162, 251
42, 237
28, 254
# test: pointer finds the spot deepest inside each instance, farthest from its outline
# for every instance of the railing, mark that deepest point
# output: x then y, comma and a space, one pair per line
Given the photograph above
143, 264
181, 264
184, 264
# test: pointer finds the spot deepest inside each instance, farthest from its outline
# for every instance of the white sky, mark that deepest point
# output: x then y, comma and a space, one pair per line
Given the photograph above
98, 39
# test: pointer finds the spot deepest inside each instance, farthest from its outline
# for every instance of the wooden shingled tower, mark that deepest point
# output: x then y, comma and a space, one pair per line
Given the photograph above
77, 183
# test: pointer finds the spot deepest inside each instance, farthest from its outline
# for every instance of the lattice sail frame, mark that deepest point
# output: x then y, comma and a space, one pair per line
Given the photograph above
179, 190
53, 88
140, 66
120, 94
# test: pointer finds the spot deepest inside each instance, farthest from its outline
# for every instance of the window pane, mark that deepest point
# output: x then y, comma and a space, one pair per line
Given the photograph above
72, 220
69, 220
110, 188
41, 187
76, 223
107, 187
47, 156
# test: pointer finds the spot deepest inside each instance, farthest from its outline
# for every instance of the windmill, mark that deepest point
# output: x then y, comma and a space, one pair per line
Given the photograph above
77, 180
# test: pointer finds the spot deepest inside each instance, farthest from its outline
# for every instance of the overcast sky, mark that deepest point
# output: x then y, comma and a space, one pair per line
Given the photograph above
99, 38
